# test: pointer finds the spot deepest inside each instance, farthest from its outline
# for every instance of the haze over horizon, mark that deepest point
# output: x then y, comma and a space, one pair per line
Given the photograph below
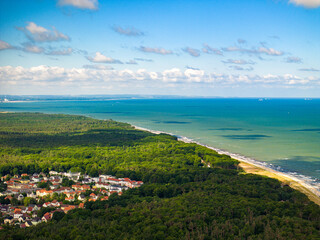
266, 48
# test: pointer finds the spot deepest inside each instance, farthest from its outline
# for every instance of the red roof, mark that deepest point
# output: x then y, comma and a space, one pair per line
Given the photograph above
17, 210
46, 214
113, 179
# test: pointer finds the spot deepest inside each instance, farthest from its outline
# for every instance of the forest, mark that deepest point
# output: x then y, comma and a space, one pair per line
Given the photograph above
181, 198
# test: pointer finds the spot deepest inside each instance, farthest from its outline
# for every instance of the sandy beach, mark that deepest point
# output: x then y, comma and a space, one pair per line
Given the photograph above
260, 168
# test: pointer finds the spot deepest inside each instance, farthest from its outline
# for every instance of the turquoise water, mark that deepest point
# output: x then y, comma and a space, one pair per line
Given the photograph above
284, 132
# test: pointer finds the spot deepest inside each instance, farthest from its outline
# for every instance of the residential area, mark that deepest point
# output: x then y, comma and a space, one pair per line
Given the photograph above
27, 200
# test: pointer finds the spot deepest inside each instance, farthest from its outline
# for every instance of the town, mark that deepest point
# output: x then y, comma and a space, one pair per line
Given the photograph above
29, 199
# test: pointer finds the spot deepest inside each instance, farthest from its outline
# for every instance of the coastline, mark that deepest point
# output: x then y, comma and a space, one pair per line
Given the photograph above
260, 168
297, 181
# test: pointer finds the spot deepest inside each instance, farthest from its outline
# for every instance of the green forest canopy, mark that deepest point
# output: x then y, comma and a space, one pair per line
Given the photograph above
180, 199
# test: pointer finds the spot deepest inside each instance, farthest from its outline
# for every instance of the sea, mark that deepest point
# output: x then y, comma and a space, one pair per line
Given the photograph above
283, 134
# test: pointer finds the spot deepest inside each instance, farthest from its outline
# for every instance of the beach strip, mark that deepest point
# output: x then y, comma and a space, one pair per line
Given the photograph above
257, 167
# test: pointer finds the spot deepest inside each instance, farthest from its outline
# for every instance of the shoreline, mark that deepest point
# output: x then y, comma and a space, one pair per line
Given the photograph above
249, 165
257, 167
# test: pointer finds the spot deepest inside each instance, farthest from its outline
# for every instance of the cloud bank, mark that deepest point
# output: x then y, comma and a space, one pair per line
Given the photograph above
209, 50
129, 31
82, 4
255, 51
37, 33
306, 3
193, 52
4, 45
160, 51
293, 60
100, 58
95, 76
238, 61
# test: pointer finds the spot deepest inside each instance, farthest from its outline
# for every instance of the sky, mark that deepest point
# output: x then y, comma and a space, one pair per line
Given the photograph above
218, 48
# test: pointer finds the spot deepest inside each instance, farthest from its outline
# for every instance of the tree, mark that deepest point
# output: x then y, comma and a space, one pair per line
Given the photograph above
26, 201
57, 216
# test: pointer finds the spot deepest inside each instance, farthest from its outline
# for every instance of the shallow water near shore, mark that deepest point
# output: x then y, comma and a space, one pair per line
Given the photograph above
282, 132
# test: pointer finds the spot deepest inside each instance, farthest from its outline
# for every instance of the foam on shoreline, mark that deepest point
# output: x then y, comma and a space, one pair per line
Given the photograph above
308, 182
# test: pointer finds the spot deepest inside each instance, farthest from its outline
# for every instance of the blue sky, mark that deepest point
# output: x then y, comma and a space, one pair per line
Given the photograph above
267, 48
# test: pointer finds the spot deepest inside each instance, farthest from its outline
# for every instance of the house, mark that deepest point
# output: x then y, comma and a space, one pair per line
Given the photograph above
4, 177
70, 193
68, 208
75, 175
22, 219
55, 203
29, 209
47, 204
112, 192
35, 207
103, 191
35, 179
104, 198
17, 213
28, 224
71, 198
20, 197
24, 181
93, 196
35, 221
53, 173
8, 220
46, 217
81, 197
81, 205
43, 192
31, 195
4, 209
9, 197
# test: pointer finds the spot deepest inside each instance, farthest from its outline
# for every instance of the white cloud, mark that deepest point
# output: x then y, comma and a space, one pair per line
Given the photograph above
129, 31
40, 34
238, 68
100, 58
269, 51
193, 52
161, 51
306, 3
241, 41
257, 51
143, 59
82, 4
293, 60
100, 77
4, 45
238, 61
193, 68
63, 52
98, 67
209, 50
309, 69
133, 62
33, 49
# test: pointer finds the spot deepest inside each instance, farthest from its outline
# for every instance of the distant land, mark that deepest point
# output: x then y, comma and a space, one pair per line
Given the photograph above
5, 98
